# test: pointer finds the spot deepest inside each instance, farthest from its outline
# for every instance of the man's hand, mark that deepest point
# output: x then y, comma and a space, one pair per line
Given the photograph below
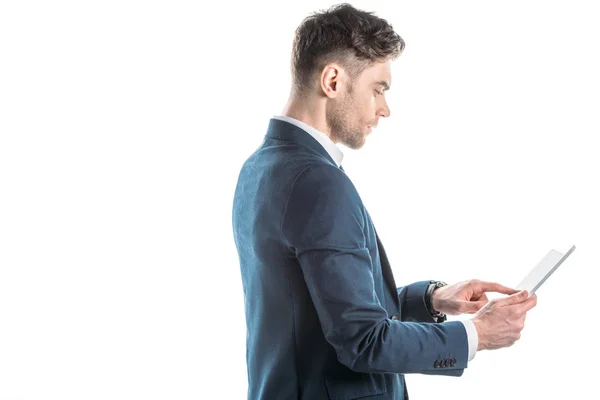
466, 297
500, 322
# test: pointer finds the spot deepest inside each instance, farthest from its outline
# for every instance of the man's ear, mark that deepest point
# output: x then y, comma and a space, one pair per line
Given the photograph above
332, 78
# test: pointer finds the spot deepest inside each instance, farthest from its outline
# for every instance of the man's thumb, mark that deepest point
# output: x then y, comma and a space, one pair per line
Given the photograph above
516, 298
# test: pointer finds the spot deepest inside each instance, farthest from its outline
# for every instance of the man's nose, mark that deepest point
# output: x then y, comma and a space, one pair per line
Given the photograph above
385, 111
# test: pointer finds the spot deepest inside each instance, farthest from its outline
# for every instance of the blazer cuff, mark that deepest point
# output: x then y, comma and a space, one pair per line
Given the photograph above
454, 360
412, 300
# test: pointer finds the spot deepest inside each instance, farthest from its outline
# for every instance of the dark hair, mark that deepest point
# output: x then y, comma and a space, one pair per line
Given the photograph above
344, 34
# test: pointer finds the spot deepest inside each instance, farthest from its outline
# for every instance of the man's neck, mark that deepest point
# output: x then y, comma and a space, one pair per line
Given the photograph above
308, 112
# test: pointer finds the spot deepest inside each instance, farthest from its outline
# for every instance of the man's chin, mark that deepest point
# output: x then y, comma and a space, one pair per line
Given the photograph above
355, 145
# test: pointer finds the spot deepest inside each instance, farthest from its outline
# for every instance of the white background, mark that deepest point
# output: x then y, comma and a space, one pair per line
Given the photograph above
123, 127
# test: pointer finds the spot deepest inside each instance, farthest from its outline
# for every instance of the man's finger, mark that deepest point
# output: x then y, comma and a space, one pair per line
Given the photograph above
516, 298
528, 304
496, 287
480, 297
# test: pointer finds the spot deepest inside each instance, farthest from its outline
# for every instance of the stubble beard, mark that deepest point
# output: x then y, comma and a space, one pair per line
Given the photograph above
340, 120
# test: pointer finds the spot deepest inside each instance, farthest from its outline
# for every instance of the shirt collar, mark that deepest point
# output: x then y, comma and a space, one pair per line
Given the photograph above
331, 148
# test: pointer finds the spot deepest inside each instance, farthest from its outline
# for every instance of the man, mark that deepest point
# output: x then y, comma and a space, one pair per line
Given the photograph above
324, 317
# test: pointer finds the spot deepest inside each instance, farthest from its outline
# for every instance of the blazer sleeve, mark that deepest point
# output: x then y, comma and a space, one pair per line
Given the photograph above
323, 225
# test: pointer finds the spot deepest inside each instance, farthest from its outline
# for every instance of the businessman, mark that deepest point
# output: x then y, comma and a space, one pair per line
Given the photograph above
324, 317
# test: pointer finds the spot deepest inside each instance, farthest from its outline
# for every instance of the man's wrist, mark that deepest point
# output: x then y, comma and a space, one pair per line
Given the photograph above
435, 302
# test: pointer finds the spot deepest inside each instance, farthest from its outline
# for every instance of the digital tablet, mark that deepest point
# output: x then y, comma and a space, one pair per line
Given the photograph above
542, 271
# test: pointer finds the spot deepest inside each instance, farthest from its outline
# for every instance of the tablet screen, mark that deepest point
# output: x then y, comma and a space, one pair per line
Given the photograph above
547, 265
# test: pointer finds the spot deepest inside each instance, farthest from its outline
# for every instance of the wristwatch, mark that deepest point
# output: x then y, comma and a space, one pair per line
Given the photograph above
438, 316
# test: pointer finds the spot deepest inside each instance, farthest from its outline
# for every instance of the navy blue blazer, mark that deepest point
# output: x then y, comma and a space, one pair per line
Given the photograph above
324, 317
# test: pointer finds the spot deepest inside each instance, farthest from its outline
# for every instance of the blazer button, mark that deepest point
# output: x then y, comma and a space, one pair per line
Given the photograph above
394, 318
453, 362
436, 364
444, 363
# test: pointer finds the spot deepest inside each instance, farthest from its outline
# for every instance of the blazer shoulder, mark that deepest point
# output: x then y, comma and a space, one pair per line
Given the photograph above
322, 199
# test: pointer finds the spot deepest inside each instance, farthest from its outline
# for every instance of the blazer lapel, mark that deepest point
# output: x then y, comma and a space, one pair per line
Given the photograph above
386, 271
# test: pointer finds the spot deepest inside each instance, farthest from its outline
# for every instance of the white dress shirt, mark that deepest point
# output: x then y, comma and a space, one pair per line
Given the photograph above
336, 153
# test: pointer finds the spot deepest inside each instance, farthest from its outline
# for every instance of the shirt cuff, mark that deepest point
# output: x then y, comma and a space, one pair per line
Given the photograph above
472, 337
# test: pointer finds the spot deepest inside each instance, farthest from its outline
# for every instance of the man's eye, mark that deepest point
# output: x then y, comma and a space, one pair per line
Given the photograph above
378, 92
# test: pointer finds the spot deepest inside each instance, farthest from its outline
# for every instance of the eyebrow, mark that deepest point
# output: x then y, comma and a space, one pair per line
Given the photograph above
386, 86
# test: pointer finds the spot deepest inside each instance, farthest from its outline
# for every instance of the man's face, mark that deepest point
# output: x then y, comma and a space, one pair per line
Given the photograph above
352, 115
